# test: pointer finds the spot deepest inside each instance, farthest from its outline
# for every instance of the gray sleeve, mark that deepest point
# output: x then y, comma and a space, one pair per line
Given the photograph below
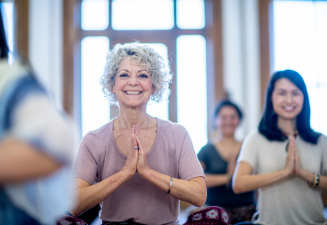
323, 144
189, 166
37, 122
85, 166
249, 150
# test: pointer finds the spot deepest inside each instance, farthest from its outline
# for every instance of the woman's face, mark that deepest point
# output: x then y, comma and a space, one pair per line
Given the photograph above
133, 85
227, 120
287, 99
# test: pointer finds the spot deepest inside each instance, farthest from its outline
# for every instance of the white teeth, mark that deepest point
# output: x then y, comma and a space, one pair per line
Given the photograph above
289, 107
132, 92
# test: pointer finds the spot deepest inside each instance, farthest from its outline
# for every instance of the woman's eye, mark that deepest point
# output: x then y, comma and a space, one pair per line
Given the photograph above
123, 75
144, 76
281, 93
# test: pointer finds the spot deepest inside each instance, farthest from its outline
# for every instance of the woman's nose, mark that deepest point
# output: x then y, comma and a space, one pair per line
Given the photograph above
289, 98
133, 81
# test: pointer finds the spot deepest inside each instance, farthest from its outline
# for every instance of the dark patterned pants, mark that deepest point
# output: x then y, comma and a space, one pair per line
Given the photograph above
240, 214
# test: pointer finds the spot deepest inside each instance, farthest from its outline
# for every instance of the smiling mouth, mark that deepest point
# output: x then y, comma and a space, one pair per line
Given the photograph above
288, 108
133, 92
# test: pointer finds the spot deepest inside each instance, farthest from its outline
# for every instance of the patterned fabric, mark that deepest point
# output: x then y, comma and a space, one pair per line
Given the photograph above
209, 216
128, 222
240, 214
70, 220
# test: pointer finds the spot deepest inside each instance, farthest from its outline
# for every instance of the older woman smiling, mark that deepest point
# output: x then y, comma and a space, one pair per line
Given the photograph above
137, 166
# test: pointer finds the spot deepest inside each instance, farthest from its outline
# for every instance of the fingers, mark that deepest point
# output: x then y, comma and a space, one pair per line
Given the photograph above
137, 130
293, 147
135, 146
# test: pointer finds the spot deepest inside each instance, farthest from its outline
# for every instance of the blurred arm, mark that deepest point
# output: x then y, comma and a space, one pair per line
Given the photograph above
214, 180
20, 161
309, 177
244, 180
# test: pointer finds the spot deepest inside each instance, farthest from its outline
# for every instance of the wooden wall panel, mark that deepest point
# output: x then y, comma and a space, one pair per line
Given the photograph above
265, 26
216, 36
21, 27
68, 55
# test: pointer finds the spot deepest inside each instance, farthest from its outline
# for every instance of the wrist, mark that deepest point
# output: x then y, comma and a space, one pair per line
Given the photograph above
145, 173
285, 173
228, 178
306, 175
127, 173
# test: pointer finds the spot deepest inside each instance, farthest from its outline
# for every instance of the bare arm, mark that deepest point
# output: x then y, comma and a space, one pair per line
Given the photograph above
244, 181
88, 195
20, 161
193, 191
214, 180
309, 177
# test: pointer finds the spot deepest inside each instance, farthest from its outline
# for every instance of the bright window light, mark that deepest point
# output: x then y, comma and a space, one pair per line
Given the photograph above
192, 87
95, 14
142, 14
300, 34
159, 110
190, 14
9, 26
95, 107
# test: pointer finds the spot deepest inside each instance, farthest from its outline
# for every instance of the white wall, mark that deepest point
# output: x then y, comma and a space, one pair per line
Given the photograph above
241, 63
45, 44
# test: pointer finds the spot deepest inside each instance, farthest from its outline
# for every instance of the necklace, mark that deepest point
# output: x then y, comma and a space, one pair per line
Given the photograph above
146, 133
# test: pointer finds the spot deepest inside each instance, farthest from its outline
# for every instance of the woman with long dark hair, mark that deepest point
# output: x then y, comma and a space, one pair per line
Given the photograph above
285, 159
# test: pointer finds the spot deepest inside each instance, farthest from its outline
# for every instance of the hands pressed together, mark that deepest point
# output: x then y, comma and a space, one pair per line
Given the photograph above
293, 165
136, 156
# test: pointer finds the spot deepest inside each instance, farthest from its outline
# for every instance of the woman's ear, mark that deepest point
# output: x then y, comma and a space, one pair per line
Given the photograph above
113, 89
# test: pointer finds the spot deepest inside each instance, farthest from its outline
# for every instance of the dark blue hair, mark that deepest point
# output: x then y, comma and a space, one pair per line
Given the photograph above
224, 103
268, 124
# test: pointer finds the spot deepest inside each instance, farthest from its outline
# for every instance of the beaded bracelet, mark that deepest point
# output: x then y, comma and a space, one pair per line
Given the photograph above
315, 182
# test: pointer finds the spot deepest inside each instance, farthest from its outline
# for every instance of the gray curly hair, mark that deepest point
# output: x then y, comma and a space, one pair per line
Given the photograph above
144, 56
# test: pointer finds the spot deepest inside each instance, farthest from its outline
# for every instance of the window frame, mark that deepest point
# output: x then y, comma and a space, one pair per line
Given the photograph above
73, 35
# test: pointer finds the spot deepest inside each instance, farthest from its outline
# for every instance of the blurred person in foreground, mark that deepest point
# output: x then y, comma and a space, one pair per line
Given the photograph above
36, 148
218, 159
137, 166
285, 159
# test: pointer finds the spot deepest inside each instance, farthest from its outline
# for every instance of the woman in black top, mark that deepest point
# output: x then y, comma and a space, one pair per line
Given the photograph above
218, 160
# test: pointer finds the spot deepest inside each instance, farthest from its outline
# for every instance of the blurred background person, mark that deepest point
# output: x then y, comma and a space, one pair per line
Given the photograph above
36, 148
218, 159
285, 159
137, 166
